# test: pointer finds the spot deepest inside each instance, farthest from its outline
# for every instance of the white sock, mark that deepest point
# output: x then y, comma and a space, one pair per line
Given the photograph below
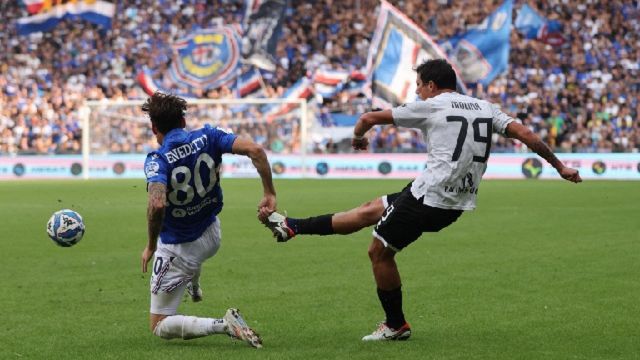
189, 327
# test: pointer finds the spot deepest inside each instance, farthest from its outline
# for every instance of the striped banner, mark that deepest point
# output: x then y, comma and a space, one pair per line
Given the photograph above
397, 47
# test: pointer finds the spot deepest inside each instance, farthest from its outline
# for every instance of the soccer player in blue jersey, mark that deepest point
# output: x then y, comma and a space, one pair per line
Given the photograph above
183, 184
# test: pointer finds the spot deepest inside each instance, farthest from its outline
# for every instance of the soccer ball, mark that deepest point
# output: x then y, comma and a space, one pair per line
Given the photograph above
65, 227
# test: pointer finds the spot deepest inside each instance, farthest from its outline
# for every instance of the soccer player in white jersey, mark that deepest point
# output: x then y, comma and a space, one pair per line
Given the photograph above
183, 182
457, 130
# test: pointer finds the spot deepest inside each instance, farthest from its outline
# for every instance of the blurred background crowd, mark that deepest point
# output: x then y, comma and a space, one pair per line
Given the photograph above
581, 96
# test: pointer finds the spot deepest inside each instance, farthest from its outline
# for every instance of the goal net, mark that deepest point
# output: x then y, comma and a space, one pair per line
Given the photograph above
117, 134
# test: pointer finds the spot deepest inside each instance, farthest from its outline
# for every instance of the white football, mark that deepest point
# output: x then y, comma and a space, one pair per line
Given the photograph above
65, 227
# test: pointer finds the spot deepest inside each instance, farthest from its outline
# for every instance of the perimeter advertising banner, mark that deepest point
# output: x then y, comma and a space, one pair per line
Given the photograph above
338, 166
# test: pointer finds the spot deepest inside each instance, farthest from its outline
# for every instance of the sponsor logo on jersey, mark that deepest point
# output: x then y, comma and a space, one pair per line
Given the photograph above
151, 169
192, 210
179, 213
461, 189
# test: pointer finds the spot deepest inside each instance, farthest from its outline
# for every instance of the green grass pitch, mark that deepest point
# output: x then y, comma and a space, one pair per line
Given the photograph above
541, 270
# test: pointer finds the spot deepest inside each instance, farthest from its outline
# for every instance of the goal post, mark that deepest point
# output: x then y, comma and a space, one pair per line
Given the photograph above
107, 124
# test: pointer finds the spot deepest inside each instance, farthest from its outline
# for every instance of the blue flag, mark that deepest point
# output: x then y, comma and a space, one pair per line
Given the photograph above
529, 22
535, 26
482, 53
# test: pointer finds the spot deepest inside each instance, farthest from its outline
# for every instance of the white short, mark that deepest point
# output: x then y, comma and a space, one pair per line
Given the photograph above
176, 264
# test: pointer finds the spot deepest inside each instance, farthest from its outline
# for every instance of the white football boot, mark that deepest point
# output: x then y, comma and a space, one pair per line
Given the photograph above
384, 333
277, 223
237, 328
195, 292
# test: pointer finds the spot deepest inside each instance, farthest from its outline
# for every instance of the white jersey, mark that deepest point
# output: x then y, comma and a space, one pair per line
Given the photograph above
457, 130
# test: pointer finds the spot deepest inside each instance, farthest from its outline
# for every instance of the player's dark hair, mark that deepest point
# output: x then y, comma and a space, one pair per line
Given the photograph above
166, 111
439, 71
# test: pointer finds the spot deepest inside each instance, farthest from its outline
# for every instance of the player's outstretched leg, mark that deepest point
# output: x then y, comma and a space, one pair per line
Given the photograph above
237, 328
346, 222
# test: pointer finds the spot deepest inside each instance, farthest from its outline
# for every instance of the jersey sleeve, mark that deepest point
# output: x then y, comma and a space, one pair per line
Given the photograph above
222, 138
500, 120
412, 115
156, 169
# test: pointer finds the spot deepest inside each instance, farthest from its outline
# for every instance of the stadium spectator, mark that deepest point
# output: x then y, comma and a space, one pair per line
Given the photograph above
581, 95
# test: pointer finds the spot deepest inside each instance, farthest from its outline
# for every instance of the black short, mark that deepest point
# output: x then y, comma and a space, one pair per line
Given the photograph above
406, 218
390, 198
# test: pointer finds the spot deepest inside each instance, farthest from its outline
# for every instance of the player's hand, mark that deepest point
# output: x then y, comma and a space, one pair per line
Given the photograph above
570, 174
360, 143
147, 254
266, 206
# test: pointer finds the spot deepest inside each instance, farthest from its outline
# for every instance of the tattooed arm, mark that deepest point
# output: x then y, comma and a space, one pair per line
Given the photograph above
155, 216
533, 141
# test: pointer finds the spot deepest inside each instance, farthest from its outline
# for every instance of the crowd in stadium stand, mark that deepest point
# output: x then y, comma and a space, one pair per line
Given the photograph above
582, 96
127, 129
